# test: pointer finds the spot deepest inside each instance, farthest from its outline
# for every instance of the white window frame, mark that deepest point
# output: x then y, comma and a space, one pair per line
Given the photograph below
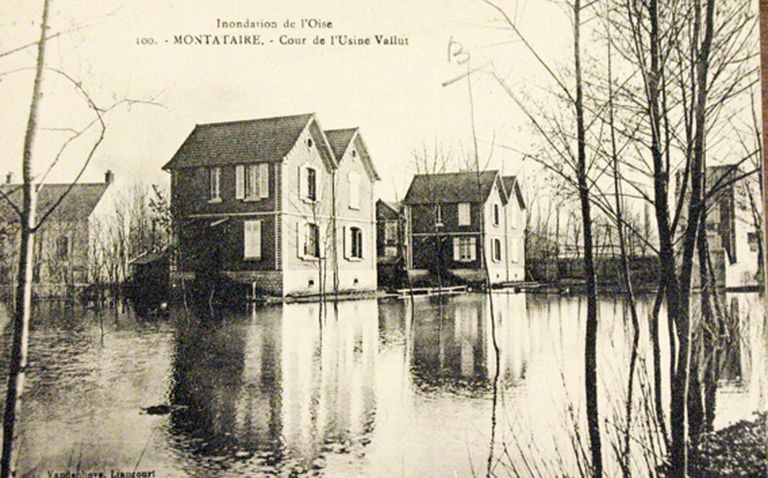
495, 249
214, 184
355, 242
306, 227
304, 183
253, 252
438, 215
465, 214
465, 249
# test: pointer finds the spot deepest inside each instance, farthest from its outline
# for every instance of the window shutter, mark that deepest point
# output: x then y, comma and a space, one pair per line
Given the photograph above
318, 184
472, 249
264, 180
253, 181
302, 181
456, 249
252, 240
300, 240
361, 249
354, 190
347, 243
465, 218
239, 181
322, 240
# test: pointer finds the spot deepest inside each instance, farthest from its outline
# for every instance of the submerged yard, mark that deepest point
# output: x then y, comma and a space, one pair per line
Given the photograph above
357, 388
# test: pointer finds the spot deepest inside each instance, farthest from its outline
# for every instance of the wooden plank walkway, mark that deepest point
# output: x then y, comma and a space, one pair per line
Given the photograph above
431, 291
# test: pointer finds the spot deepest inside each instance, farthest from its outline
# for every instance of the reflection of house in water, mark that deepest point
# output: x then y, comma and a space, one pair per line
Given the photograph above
453, 342
276, 390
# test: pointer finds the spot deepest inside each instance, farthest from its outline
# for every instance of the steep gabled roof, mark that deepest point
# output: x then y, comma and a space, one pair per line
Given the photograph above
513, 187
340, 140
392, 205
78, 204
451, 187
264, 139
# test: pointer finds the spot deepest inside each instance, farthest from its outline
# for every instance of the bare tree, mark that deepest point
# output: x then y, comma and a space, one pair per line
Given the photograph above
30, 223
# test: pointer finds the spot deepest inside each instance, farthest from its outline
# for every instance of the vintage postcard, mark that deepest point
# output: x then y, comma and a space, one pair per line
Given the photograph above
382, 238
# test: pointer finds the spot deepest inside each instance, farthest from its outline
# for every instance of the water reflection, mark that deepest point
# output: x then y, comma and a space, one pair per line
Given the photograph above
282, 387
358, 388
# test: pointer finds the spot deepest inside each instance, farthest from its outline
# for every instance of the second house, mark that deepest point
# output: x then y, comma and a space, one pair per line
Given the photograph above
276, 202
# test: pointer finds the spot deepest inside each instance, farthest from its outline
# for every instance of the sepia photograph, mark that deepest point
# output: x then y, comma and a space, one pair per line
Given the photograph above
383, 238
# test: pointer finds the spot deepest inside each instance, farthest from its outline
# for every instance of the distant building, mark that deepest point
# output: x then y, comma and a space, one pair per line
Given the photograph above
65, 247
391, 250
390, 230
731, 230
452, 216
733, 239
278, 203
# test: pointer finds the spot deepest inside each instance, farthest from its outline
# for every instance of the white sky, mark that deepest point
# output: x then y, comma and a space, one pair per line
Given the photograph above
393, 93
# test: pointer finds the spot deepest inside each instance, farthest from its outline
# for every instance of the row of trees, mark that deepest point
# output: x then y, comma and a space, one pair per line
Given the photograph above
638, 117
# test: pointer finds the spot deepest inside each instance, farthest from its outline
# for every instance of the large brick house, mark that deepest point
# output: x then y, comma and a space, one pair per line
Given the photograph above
66, 245
451, 216
278, 203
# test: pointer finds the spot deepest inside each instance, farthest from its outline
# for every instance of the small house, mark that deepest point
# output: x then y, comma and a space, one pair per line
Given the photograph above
277, 203
462, 222
66, 245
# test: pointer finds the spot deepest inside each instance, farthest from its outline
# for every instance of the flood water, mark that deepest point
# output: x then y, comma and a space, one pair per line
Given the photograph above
361, 388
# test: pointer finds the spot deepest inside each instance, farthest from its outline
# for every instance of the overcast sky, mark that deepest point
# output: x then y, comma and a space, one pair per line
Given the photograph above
393, 93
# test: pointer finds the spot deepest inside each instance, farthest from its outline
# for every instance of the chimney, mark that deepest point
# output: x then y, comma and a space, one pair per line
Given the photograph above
109, 176
9, 178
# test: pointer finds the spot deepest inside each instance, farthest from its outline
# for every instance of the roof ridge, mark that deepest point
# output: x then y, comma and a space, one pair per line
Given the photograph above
253, 120
459, 172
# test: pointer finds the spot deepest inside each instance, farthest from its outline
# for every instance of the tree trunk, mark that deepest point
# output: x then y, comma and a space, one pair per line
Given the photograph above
23, 296
590, 345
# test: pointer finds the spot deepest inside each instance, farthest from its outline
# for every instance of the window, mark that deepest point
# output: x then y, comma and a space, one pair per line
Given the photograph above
465, 215
390, 233
513, 256
496, 249
214, 183
62, 247
354, 190
464, 249
252, 181
354, 243
752, 241
495, 214
438, 215
311, 240
308, 180
252, 240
